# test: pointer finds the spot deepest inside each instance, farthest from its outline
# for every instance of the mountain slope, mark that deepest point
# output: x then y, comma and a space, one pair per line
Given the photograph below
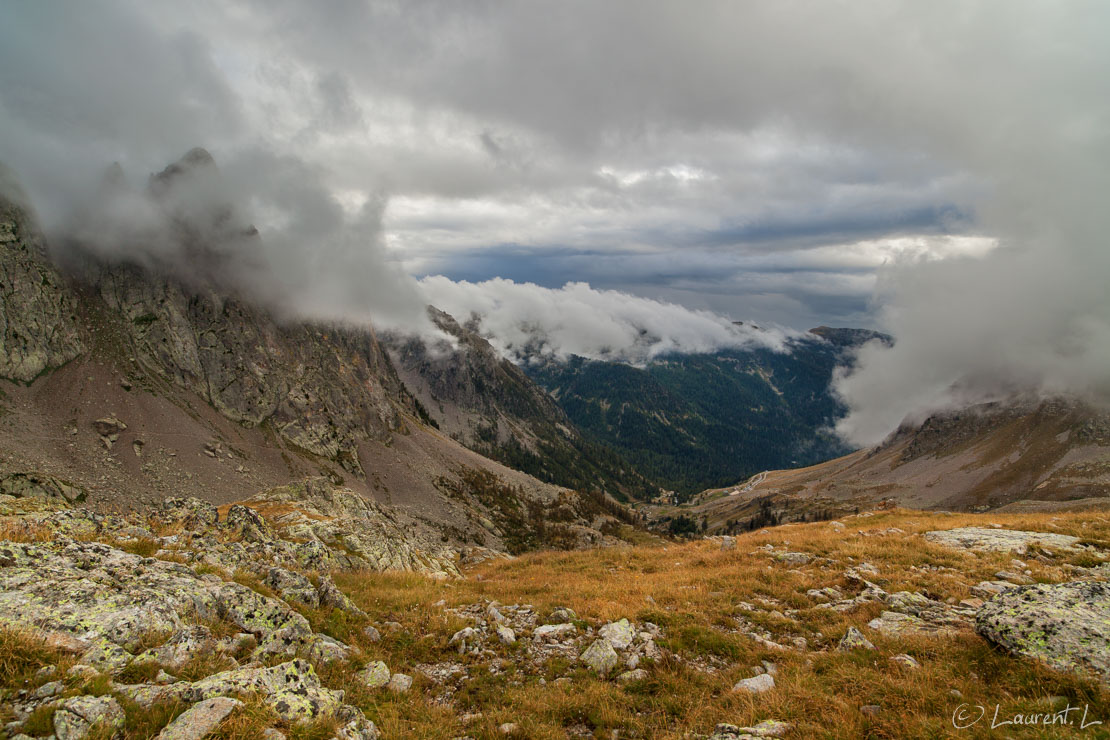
1022, 454
696, 421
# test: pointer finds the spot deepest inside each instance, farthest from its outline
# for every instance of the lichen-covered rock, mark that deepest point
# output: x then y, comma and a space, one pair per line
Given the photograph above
854, 640
913, 613
108, 601
200, 719
375, 675
1000, 540
42, 487
291, 689
619, 634
1066, 625
600, 657
191, 513
184, 645
81, 714
292, 586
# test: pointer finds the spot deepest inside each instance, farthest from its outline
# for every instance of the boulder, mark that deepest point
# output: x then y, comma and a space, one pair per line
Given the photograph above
1066, 626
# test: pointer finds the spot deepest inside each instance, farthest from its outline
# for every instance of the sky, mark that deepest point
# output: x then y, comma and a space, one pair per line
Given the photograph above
597, 173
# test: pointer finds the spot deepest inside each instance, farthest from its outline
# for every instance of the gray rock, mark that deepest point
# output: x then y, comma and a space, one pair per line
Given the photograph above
637, 674
907, 661
854, 640
755, 685
200, 719
553, 632
793, 558
1066, 626
766, 728
506, 635
562, 615
619, 634
600, 657
399, 683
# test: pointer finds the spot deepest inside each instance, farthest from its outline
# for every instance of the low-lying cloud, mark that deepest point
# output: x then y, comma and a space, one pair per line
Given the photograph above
524, 320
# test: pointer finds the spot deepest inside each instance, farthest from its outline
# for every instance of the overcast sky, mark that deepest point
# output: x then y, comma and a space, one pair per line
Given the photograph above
790, 163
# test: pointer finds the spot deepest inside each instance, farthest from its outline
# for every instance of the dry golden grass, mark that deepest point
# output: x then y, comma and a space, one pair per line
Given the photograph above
692, 591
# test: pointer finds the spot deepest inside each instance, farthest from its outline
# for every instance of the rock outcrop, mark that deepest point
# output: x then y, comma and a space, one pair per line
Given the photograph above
38, 313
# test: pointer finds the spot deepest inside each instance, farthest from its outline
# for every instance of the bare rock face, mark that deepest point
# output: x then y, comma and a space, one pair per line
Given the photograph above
1065, 625
38, 328
323, 388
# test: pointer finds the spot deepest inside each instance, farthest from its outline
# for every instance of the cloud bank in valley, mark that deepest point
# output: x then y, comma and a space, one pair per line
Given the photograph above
524, 320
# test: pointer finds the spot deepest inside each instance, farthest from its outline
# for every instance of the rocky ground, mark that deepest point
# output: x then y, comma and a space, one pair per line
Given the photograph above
308, 612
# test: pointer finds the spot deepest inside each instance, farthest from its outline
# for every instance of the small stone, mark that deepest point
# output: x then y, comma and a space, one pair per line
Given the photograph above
399, 683
907, 661
956, 694
371, 633
756, 685
638, 674
562, 614
374, 675
507, 728
506, 635
200, 719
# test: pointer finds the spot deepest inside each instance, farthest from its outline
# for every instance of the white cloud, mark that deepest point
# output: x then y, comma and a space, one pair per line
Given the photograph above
522, 319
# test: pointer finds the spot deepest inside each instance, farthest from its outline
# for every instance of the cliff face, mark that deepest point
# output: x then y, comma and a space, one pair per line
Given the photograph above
322, 388
490, 405
38, 329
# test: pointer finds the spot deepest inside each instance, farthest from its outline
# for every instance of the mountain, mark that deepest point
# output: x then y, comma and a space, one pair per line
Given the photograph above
484, 401
127, 381
1021, 454
697, 421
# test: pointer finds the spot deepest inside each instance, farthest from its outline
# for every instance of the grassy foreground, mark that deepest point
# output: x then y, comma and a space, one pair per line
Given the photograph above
693, 591
706, 600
